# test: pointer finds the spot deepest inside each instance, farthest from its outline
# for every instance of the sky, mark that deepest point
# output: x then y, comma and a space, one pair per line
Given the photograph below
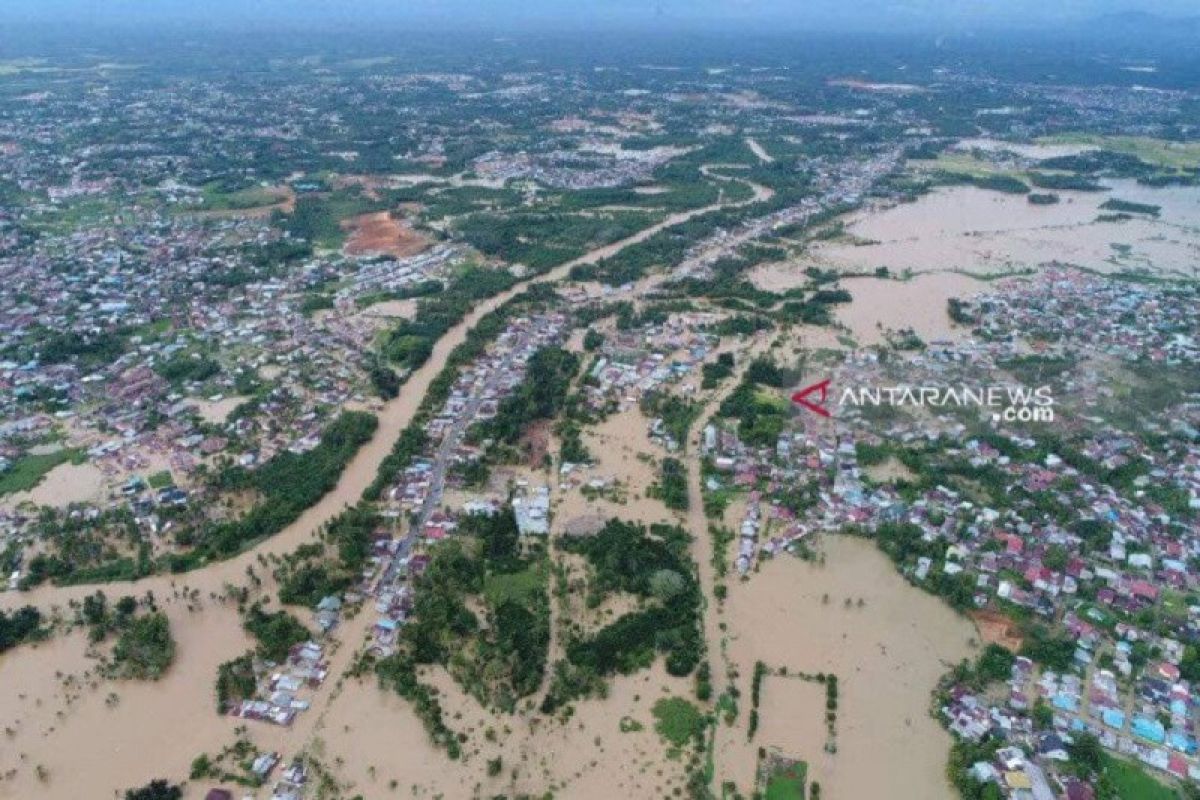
801, 14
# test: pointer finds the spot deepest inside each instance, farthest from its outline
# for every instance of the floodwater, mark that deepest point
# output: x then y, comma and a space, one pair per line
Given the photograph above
65, 484
95, 747
378, 739
881, 305
986, 232
94, 737
888, 655
1036, 150
217, 411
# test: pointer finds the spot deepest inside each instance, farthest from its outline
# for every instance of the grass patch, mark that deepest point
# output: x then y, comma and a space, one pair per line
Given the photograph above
787, 783
28, 471
161, 479
678, 721
1159, 152
517, 587
214, 198
1134, 783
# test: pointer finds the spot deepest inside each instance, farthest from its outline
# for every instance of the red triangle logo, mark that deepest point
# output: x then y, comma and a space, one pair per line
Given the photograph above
816, 406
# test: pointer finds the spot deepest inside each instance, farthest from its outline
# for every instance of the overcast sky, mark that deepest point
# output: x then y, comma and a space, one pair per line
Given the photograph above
880, 14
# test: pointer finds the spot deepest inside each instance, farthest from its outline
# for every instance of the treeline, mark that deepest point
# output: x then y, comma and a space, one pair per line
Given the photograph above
761, 415
498, 663
145, 648
544, 240
410, 343
311, 572
276, 632
1007, 184
289, 483
672, 488
22, 625
655, 566
1130, 207
676, 413
412, 440
540, 396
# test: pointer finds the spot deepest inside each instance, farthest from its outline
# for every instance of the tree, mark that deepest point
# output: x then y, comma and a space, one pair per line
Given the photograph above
592, 340
1189, 667
1043, 716
666, 583
1087, 753
158, 789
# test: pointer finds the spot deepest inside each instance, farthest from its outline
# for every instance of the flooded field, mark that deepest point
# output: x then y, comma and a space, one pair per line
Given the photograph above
65, 484
92, 737
985, 232
377, 739
888, 654
880, 305
217, 411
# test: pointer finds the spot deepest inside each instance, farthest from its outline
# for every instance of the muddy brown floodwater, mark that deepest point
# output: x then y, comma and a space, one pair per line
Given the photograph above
985, 232
91, 744
888, 655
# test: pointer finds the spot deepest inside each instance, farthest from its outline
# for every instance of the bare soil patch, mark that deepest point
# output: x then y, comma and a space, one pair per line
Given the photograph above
380, 233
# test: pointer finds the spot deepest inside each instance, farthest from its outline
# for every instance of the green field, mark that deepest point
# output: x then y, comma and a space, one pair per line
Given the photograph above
518, 587
1134, 783
788, 784
161, 480
1159, 152
214, 199
27, 472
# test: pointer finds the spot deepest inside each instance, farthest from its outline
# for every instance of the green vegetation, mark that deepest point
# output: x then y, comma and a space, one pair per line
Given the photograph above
235, 681
1007, 184
289, 483
329, 567
1064, 183
540, 396
410, 343
654, 565
786, 780
678, 721
761, 414
1129, 207
672, 488
155, 790
21, 625
1130, 781
716, 371
541, 240
276, 633
234, 764
188, 368
27, 472
1160, 153
317, 218
676, 413
145, 649
500, 662
216, 196
411, 441
161, 480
